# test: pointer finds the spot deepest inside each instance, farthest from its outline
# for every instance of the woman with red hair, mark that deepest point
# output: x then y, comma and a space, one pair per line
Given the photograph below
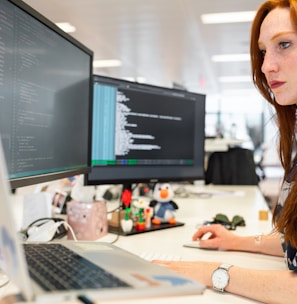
273, 51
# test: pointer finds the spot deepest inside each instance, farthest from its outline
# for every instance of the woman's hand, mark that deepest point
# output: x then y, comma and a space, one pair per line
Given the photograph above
196, 270
220, 237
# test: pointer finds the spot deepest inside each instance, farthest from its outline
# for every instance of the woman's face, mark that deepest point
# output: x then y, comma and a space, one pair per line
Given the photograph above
278, 43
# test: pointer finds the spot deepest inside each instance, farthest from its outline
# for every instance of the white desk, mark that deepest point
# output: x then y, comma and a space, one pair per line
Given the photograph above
245, 201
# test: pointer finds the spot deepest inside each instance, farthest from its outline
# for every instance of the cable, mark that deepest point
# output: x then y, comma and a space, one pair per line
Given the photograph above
71, 230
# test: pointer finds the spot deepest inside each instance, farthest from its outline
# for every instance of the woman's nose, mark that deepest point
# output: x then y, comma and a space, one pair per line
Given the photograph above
269, 63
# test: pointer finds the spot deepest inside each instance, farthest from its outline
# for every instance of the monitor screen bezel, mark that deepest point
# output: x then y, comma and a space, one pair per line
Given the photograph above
109, 175
60, 174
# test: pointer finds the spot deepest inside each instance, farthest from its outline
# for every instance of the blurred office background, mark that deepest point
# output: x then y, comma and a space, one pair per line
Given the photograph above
198, 45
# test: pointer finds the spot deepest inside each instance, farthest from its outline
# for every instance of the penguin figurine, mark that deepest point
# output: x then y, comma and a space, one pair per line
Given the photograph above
163, 206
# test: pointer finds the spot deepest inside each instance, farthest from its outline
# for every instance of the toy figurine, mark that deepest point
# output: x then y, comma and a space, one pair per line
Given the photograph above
126, 222
139, 205
164, 207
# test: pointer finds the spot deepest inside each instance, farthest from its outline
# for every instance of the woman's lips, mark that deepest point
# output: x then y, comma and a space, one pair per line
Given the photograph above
275, 84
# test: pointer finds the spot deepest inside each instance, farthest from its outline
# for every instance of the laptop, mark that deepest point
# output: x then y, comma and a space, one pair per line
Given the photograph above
141, 278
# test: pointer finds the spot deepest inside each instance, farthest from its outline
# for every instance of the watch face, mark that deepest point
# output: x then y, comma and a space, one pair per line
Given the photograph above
220, 279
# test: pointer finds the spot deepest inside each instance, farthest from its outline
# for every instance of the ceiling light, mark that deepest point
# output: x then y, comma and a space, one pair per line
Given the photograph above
229, 17
243, 78
66, 27
230, 57
107, 63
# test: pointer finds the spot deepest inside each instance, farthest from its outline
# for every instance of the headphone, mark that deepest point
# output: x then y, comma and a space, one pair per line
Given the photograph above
45, 230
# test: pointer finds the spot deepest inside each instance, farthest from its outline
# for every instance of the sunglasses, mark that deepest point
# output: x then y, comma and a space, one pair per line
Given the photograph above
222, 219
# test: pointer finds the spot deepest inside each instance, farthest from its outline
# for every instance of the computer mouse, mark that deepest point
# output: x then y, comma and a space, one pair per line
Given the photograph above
196, 244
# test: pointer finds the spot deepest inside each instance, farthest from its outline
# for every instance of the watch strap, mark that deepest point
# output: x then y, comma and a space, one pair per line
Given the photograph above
225, 266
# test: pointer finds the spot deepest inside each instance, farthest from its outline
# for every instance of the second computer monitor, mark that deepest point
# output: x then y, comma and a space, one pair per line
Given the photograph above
145, 133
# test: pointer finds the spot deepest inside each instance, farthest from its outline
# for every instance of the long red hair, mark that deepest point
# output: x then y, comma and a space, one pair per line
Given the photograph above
285, 118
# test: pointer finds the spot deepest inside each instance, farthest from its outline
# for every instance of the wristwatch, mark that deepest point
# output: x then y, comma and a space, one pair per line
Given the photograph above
220, 277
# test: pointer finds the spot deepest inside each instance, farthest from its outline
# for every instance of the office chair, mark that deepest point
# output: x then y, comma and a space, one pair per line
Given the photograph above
233, 167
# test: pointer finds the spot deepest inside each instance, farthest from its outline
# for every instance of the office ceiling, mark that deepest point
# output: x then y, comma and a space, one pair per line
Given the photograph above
162, 41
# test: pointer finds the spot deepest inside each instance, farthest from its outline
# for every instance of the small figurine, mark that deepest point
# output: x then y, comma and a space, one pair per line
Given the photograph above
126, 222
126, 198
139, 205
164, 207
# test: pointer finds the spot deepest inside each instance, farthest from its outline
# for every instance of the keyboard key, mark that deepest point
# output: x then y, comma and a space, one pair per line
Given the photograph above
150, 256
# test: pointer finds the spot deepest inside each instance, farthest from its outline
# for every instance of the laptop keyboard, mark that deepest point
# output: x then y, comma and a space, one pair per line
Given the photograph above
55, 267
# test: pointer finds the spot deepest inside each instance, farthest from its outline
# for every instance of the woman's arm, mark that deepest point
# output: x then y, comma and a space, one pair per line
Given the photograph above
267, 244
268, 286
221, 238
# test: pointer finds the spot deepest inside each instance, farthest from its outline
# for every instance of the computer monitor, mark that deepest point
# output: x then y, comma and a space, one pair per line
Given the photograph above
145, 133
45, 97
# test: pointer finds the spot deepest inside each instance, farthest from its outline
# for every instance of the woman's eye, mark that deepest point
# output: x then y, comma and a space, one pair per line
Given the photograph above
284, 45
262, 52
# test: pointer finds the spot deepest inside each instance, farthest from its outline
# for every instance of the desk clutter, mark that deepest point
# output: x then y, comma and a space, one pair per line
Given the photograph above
117, 225
83, 211
84, 214
75, 213
88, 221
138, 215
83, 221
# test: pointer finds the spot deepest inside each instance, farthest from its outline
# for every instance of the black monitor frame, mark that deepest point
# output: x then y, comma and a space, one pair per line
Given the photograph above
49, 174
130, 174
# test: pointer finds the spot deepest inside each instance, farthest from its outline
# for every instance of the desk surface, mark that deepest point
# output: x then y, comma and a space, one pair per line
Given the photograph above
208, 201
